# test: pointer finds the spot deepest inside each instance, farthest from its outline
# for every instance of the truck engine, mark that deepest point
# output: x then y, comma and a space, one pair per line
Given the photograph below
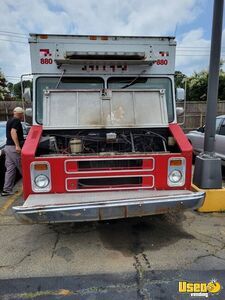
105, 142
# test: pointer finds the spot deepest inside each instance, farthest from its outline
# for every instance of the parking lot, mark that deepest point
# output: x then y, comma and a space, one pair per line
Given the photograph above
142, 257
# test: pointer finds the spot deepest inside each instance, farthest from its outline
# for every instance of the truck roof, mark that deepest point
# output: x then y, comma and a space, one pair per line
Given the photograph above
100, 36
84, 54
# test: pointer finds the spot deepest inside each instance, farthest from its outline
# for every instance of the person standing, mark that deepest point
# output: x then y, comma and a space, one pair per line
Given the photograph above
14, 143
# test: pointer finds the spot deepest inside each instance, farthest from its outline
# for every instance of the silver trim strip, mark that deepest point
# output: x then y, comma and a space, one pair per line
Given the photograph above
109, 159
108, 189
112, 188
110, 171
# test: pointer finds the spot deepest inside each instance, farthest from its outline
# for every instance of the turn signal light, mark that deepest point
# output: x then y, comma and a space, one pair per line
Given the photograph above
176, 162
40, 167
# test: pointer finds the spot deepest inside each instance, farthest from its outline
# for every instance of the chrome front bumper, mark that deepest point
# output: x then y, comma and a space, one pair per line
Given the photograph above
79, 207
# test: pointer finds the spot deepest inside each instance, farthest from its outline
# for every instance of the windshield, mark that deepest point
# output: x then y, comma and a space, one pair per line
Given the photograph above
44, 83
2, 134
146, 83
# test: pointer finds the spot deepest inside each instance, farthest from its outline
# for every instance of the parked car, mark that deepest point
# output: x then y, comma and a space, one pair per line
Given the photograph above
196, 138
26, 128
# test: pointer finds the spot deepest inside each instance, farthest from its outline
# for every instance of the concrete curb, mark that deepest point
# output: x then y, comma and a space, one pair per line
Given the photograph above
214, 199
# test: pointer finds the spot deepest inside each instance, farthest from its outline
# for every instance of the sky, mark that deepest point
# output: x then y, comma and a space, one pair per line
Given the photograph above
190, 21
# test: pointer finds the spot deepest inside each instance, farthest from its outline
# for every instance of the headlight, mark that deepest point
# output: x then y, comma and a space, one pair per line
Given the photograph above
40, 173
41, 181
175, 176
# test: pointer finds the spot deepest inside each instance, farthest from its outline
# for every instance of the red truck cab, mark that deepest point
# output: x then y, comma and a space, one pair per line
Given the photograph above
105, 142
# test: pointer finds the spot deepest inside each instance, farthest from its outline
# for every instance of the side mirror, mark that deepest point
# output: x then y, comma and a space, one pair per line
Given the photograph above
27, 94
201, 129
28, 112
179, 111
180, 94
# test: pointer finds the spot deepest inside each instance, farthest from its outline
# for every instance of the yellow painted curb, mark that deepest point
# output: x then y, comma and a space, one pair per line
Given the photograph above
10, 201
214, 199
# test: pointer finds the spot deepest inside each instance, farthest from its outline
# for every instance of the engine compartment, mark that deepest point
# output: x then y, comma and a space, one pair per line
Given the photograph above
106, 141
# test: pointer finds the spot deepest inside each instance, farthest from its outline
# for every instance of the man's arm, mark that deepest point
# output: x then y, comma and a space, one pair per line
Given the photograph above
14, 136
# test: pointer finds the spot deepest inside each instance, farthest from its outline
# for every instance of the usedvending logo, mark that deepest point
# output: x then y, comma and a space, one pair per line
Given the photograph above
200, 289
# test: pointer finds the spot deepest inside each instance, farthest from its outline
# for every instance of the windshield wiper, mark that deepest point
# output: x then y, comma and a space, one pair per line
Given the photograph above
57, 85
134, 80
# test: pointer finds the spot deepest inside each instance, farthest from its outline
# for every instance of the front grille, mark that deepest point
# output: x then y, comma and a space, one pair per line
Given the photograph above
109, 164
109, 182
134, 172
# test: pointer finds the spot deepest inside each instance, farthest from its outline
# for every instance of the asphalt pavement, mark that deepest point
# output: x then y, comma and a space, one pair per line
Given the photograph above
138, 258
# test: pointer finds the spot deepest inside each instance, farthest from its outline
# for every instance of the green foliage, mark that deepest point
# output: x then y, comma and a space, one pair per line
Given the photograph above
10, 87
180, 79
4, 91
221, 92
197, 84
10, 91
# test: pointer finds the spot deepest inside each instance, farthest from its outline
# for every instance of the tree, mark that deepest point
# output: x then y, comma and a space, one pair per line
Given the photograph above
179, 79
221, 92
10, 87
4, 91
197, 86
